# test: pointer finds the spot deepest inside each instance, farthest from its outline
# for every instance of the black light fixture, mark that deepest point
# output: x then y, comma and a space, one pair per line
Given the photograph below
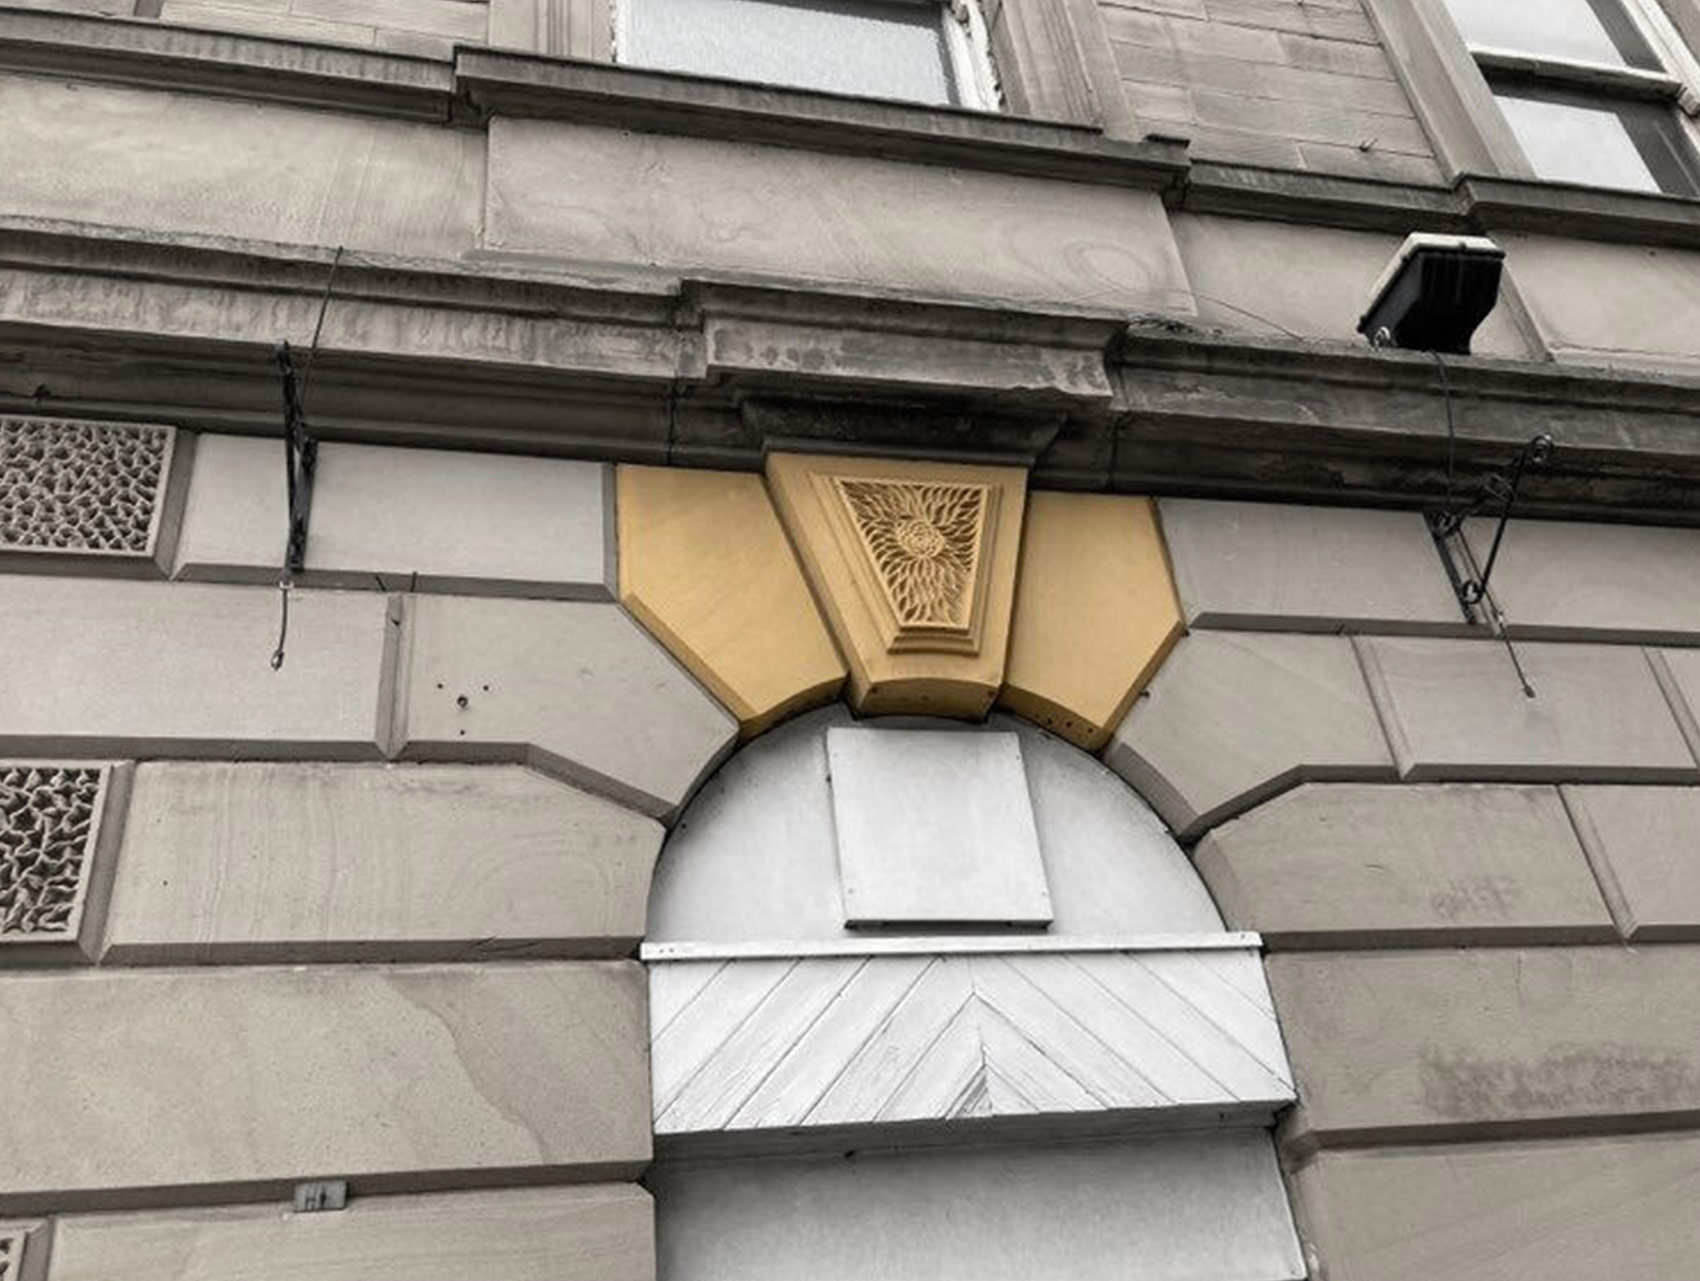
1434, 293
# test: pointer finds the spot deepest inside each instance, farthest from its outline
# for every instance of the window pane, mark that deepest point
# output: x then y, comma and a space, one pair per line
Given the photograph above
1581, 30
877, 48
1573, 143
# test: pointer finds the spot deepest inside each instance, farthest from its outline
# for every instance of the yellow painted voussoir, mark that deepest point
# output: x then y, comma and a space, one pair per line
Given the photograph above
706, 568
914, 566
1095, 613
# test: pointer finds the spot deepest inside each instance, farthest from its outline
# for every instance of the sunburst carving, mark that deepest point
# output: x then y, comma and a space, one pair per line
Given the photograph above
924, 540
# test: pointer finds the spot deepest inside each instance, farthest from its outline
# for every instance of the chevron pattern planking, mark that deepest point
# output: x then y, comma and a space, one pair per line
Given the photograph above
811, 1044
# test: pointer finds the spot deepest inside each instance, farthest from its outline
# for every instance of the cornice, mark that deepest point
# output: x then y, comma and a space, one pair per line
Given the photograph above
493, 82
499, 355
259, 67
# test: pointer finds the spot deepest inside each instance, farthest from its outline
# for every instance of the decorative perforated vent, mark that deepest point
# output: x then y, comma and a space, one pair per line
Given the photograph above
49, 815
81, 487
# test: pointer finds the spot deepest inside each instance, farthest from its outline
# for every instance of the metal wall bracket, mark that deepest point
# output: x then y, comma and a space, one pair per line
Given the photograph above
301, 462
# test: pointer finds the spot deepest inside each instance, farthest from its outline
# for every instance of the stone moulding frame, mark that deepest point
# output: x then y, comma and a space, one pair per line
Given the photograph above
78, 939
84, 521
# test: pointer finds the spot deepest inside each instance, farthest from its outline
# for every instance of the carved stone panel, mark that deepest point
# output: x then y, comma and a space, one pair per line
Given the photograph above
914, 565
20, 1260
82, 489
50, 819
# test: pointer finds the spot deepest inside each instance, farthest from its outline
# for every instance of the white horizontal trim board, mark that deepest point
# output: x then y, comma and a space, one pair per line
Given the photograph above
954, 944
841, 1047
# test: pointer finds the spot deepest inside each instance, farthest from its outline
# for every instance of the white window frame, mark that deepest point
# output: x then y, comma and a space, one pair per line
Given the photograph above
1448, 81
967, 41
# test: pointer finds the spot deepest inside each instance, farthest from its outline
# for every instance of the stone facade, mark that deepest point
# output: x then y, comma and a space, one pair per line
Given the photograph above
871, 691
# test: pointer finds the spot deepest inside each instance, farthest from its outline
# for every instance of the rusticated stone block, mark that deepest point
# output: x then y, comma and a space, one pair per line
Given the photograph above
403, 519
576, 689
1234, 717
1355, 865
1294, 568
1570, 580
1455, 709
178, 669
602, 1232
1645, 846
268, 862
80, 495
143, 1086
1560, 1210
1492, 1042
51, 890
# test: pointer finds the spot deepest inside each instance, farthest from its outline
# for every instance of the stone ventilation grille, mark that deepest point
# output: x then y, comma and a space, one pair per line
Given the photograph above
47, 823
924, 539
84, 487
11, 1255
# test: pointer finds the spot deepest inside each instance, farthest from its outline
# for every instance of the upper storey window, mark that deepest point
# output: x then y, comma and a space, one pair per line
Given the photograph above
1588, 88
910, 50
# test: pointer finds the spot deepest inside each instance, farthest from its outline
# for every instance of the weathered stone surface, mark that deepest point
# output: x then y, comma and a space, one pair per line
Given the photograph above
1609, 304
1569, 580
1455, 709
602, 1232
374, 862
1348, 865
1561, 1210
1505, 1041
606, 195
1235, 717
1095, 613
399, 519
1162, 1209
576, 689
1293, 568
204, 1084
1644, 843
1269, 277
175, 669
705, 566
175, 162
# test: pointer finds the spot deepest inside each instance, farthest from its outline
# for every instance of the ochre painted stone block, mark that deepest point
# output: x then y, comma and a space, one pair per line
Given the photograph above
1477, 1043
1645, 846
1234, 717
705, 566
575, 689
1560, 1210
283, 862
119, 1087
1095, 613
182, 669
1360, 865
601, 1232
914, 564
